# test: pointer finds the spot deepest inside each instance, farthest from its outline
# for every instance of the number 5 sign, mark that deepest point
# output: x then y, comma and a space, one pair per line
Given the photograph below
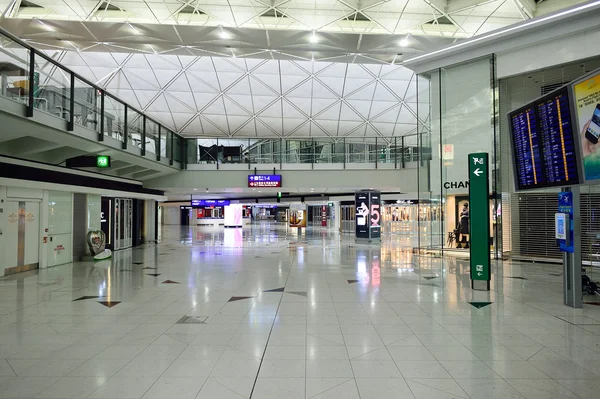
375, 216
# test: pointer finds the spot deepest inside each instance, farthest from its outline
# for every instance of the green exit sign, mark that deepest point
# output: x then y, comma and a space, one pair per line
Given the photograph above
102, 161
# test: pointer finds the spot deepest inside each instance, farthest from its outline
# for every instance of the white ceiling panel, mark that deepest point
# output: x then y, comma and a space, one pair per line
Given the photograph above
203, 96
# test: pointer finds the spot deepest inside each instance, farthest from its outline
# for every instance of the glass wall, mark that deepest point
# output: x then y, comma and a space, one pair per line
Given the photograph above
457, 115
390, 152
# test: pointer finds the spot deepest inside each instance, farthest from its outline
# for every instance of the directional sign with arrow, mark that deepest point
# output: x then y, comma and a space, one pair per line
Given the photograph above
479, 190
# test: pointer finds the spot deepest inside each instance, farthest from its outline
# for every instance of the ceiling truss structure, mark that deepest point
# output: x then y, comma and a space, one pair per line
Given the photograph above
225, 97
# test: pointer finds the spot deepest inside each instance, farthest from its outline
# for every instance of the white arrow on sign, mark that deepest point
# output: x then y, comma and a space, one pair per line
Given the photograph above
478, 172
479, 274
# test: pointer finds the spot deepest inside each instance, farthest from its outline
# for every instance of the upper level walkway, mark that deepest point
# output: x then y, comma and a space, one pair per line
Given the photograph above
49, 113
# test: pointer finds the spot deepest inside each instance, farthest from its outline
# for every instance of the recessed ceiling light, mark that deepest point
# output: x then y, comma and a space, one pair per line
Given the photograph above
313, 38
404, 42
195, 189
223, 34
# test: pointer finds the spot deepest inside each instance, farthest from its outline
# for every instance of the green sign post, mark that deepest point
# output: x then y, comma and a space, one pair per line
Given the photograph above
479, 220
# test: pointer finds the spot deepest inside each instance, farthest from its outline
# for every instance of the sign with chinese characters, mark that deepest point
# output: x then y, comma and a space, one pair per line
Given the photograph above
480, 213
264, 180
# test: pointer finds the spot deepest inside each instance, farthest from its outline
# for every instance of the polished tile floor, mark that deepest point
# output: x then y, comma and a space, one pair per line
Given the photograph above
209, 314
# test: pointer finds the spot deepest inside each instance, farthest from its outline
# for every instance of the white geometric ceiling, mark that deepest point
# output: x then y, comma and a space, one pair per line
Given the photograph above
370, 30
232, 97
456, 18
261, 68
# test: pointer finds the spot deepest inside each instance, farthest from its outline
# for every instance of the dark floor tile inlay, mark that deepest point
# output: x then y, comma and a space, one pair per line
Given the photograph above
138, 263
238, 298
153, 275
148, 268
480, 305
83, 298
170, 282
429, 284
592, 303
516, 277
301, 293
352, 281
555, 274
276, 290
192, 320
109, 304
430, 278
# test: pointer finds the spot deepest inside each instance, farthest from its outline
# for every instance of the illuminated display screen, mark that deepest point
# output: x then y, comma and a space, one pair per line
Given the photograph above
264, 180
544, 143
527, 152
202, 203
558, 141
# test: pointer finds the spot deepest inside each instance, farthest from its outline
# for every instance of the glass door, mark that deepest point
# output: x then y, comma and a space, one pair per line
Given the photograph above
117, 226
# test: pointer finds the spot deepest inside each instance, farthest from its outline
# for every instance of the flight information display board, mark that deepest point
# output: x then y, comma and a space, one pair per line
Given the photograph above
544, 143
558, 141
527, 151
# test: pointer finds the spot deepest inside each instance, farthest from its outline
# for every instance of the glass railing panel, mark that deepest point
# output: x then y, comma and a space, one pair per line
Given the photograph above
86, 111
169, 144
53, 93
14, 70
151, 136
177, 145
164, 142
323, 151
135, 127
114, 118
357, 153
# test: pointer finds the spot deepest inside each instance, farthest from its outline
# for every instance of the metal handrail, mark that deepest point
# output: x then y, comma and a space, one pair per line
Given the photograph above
73, 75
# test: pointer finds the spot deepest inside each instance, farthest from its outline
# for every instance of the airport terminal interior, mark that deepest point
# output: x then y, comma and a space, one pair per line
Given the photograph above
260, 199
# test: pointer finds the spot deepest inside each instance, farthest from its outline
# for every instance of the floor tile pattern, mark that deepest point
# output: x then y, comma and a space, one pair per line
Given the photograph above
315, 316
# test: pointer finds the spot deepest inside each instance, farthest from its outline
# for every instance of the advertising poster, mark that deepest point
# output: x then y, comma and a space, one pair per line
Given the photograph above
587, 104
297, 218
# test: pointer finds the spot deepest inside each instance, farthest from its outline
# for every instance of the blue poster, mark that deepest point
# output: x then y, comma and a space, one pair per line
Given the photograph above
565, 205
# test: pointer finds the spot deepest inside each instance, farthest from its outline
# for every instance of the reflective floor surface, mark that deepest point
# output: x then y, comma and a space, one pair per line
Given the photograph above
264, 313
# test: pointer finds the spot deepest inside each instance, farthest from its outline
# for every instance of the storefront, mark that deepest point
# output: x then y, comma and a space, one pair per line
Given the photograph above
117, 222
463, 97
406, 216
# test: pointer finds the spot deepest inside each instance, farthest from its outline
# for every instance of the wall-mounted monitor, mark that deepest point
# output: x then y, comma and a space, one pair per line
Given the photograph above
544, 141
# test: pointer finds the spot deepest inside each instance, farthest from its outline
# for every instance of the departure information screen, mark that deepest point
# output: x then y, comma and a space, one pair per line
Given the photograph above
558, 143
527, 151
544, 143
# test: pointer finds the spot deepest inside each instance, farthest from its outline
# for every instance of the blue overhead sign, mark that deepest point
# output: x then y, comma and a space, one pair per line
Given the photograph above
264, 180
199, 203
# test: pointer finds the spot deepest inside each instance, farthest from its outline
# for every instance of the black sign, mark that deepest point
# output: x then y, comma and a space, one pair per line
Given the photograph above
449, 185
106, 220
361, 201
368, 214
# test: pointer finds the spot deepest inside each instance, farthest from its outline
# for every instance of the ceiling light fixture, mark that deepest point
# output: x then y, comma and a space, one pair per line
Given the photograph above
405, 42
135, 31
313, 37
46, 26
223, 34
